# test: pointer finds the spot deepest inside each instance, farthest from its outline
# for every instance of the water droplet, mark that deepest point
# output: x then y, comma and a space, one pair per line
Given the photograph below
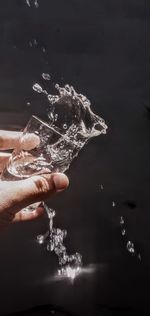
113, 204
130, 247
123, 232
55, 117
36, 87
44, 49
36, 3
101, 187
28, 3
30, 44
139, 257
46, 76
35, 42
121, 220
65, 126
40, 239
28, 103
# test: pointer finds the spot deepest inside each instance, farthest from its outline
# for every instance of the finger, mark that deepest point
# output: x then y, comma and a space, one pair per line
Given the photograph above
11, 139
25, 216
4, 157
20, 194
29, 141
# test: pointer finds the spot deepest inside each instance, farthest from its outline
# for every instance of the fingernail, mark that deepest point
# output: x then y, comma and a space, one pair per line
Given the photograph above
60, 181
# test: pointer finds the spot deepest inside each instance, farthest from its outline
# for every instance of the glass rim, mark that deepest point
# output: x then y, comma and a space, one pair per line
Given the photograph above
66, 138
47, 125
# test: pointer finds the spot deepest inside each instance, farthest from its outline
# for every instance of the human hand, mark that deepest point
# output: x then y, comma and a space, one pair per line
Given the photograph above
16, 195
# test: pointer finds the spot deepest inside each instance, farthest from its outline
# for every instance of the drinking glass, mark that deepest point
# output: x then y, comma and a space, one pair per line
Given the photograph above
49, 151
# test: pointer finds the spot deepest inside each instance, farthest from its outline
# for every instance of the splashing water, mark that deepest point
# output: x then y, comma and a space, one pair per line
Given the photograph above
28, 3
74, 112
70, 114
130, 246
70, 265
36, 87
123, 232
35, 42
34, 2
46, 76
122, 220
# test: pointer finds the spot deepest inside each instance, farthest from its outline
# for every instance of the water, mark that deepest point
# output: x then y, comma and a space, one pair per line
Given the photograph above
75, 118
69, 265
123, 232
122, 220
46, 76
70, 124
28, 3
32, 2
130, 247
129, 244
37, 88
36, 3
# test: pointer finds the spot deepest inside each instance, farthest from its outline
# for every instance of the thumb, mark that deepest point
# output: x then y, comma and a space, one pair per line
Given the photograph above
20, 194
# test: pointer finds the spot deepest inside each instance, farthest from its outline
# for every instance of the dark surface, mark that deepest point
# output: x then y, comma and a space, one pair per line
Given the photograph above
102, 48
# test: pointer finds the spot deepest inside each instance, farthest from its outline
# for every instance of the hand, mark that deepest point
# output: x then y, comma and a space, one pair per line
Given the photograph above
15, 195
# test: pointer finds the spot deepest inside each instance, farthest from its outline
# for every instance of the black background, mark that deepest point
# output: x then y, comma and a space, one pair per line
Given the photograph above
102, 48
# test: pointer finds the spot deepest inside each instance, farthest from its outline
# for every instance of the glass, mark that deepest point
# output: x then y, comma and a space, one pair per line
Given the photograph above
42, 149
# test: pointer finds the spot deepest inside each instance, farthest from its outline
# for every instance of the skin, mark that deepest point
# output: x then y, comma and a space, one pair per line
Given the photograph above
15, 195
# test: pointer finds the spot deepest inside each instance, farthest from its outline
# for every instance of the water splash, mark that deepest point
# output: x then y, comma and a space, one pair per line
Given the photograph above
69, 265
74, 110
46, 76
123, 232
36, 87
122, 220
35, 42
28, 3
34, 2
75, 119
130, 245
70, 115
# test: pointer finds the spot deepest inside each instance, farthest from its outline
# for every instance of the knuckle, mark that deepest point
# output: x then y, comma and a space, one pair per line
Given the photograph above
42, 185
1, 140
